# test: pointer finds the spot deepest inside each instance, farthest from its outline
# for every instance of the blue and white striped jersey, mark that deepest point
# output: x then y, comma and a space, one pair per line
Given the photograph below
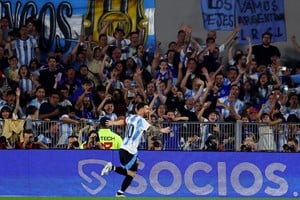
135, 127
25, 50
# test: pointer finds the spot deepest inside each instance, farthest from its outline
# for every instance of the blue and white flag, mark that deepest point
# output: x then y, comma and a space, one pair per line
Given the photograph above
63, 21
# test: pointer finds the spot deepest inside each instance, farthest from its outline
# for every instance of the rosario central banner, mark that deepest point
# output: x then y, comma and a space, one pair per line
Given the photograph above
253, 16
161, 174
62, 21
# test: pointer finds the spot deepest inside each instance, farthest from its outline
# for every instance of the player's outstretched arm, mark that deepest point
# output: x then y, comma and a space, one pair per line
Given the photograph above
165, 130
120, 122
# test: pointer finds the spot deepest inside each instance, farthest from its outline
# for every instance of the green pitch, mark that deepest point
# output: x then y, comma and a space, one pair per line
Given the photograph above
131, 198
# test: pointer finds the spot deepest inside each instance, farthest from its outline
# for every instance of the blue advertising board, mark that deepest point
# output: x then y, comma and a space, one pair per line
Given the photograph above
163, 174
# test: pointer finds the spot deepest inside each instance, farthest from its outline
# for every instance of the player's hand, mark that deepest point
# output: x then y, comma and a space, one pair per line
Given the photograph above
165, 130
109, 123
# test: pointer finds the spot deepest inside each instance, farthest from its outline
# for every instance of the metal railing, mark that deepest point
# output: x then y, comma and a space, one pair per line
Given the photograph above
190, 136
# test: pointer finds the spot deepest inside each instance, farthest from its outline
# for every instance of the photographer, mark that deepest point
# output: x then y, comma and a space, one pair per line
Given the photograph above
73, 142
211, 143
155, 143
4, 143
93, 141
30, 142
248, 145
291, 145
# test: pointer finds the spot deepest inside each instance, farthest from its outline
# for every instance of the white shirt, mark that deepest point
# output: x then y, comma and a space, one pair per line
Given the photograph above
136, 125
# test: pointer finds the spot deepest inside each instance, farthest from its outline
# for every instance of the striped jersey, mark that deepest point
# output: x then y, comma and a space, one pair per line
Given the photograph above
135, 127
25, 50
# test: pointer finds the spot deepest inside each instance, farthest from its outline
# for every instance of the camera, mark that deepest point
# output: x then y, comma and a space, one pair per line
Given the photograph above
211, 143
75, 145
246, 148
288, 148
155, 143
32, 139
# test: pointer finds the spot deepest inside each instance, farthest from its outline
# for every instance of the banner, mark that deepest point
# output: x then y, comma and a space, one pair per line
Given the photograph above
161, 174
218, 14
258, 16
62, 21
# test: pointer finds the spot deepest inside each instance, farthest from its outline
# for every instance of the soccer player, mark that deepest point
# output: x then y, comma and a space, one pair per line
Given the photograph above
136, 125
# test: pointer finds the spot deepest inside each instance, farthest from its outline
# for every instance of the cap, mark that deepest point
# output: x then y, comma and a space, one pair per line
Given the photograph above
232, 67
253, 110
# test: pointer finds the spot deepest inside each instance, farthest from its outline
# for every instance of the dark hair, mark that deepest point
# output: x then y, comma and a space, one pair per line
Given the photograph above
94, 131
54, 92
72, 136
210, 39
39, 87
26, 67
28, 131
267, 33
5, 108
30, 110
12, 57
141, 105
67, 109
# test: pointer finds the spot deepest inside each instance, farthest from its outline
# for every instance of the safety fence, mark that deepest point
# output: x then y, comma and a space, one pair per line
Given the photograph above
188, 136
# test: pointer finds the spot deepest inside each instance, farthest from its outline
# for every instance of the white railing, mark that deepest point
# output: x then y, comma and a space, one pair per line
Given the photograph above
183, 135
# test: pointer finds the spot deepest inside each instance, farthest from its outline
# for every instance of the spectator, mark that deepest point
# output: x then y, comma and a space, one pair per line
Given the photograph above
292, 106
39, 97
70, 79
86, 89
34, 68
26, 47
26, 84
64, 96
48, 74
13, 101
97, 63
12, 72
3, 58
32, 115
264, 87
85, 106
163, 74
263, 52
232, 106
4, 30
68, 123
106, 109
266, 141
50, 109
77, 57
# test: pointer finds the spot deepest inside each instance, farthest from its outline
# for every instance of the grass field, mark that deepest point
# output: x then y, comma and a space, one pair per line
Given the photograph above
131, 198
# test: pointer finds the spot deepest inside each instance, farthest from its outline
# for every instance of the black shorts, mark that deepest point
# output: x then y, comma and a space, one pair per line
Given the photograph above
128, 160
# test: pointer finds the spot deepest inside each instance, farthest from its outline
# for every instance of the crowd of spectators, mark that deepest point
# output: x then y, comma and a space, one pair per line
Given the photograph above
189, 82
